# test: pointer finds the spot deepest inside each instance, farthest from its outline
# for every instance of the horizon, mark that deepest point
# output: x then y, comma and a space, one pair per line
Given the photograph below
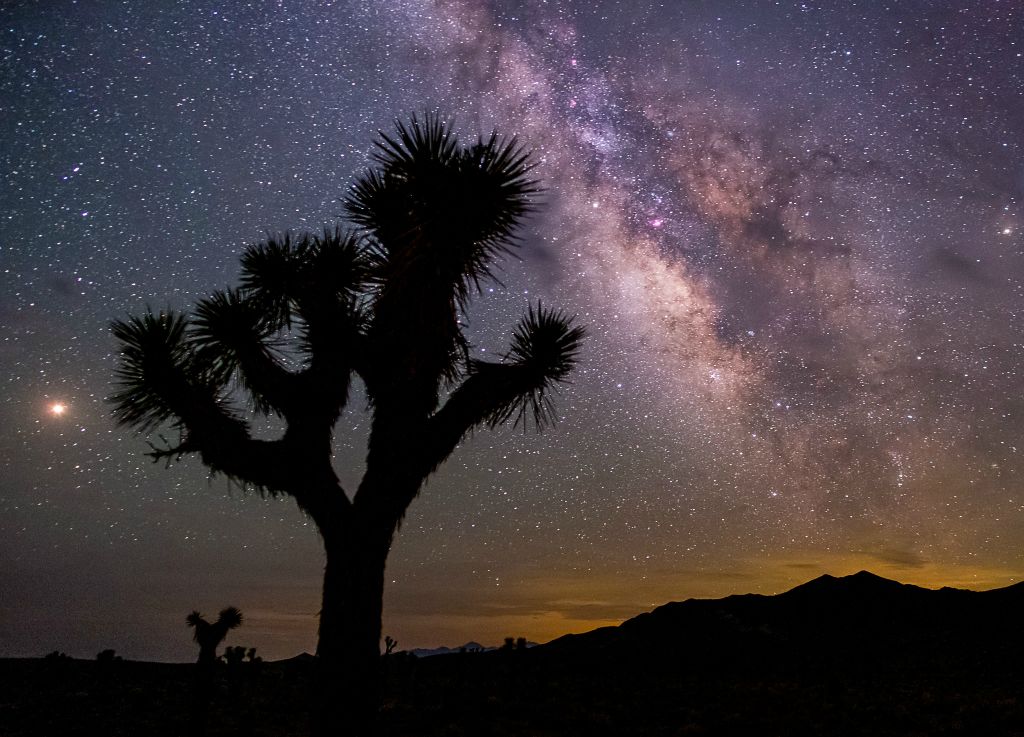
496, 643
795, 233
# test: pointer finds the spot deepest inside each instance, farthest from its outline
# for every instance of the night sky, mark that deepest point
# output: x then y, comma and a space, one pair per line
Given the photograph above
794, 229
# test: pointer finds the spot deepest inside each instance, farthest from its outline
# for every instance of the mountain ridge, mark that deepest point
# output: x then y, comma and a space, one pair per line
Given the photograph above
856, 619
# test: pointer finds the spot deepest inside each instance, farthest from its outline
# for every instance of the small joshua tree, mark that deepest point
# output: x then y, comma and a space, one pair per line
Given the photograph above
381, 302
209, 635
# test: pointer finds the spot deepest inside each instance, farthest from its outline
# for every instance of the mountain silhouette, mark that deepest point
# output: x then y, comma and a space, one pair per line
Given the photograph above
470, 647
850, 622
854, 655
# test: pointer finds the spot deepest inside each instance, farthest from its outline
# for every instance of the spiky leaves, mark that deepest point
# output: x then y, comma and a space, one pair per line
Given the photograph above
439, 215
439, 209
175, 371
194, 619
231, 337
333, 271
159, 378
229, 618
317, 278
315, 284
312, 285
270, 275
545, 347
209, 635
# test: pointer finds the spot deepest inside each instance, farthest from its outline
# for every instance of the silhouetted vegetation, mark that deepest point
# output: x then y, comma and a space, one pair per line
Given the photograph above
234, 656
107, 656
209, 635
381, 302
512, 644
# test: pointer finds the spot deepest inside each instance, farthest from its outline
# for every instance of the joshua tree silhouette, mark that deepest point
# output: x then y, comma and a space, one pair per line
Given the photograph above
209, 635
381, 302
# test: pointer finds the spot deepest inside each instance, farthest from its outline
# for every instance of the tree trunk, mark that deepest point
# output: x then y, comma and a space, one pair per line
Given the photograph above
348, 695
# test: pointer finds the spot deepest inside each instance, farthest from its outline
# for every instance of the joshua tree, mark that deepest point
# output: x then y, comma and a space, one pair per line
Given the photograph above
210, 635
380, 302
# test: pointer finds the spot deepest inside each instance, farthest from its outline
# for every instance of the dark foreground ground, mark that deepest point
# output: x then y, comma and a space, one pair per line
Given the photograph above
514, 694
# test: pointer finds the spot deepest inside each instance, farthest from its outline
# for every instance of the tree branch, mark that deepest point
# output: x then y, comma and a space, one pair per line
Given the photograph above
226, 447
544, 348
169, 453
270, 385
485, 397
402, 455
230, 333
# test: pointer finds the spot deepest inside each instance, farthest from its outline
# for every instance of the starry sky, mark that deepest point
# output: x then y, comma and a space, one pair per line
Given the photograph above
795, 230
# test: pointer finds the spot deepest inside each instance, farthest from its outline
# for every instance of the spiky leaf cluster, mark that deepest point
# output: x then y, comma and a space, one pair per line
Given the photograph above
174, 368
311, 277
437, 210
545, 346
210, 634
159, 374
226, 327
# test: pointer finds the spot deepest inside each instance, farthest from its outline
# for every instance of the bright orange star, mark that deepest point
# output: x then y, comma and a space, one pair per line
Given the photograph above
58, 408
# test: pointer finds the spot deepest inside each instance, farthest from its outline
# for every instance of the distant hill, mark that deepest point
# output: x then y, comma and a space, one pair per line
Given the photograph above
857, 655
469, 647
852, 621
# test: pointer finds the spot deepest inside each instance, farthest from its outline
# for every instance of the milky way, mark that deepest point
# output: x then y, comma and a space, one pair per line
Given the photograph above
794, 229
